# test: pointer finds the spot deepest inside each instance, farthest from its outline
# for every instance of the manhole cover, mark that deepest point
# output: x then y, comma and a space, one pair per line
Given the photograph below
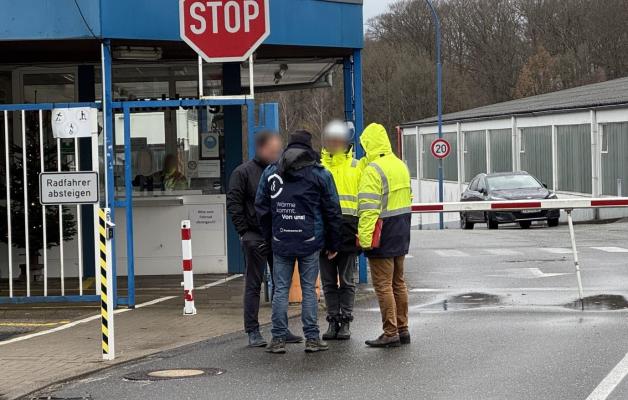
167, 374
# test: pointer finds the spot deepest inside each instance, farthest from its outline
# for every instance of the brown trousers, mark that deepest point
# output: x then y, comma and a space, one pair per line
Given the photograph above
392, 293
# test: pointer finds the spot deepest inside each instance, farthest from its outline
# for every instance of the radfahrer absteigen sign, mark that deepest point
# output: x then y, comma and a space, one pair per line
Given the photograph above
67, 188
224, 30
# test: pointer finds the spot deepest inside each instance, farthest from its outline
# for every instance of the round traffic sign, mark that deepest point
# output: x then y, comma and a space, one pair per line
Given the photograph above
441, 149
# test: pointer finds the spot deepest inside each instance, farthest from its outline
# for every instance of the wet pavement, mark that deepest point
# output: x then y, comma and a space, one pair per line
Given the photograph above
493, 315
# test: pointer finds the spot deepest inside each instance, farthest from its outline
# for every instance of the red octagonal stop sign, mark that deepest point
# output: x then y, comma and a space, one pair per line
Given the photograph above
224, 30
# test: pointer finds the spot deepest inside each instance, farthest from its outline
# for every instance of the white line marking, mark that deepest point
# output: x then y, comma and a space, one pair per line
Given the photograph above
557, 250
537, 273
450, 253
120, 311
409, 256
611, 381
503, 252
611, 249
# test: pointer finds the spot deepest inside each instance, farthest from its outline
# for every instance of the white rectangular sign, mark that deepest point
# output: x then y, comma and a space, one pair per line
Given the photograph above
68, 188
209, 217
70, 123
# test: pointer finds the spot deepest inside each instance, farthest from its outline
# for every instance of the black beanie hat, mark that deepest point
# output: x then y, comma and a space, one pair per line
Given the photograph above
301, 137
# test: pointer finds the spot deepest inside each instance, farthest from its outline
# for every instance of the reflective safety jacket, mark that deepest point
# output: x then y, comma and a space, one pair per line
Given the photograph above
385, 192
346, 172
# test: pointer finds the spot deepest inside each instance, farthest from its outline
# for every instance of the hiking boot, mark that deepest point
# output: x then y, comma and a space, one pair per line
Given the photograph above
276, 346
344, 333
315, 345
291, 338
404, 337
384, 341
332, 331
256, 339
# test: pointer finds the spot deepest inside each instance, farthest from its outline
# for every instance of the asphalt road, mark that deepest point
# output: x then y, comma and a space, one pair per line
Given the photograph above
493, 316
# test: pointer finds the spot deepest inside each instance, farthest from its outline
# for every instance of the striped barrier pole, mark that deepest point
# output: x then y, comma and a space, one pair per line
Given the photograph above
188, 275
518, 205
105, 230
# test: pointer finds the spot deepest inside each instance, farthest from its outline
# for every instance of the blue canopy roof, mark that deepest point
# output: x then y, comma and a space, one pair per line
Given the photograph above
322, 23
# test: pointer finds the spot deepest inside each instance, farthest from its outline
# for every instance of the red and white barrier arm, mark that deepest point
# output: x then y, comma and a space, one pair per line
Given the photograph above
188, 276
517, 205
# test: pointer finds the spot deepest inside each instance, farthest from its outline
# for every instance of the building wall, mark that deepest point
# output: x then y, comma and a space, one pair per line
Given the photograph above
578, 154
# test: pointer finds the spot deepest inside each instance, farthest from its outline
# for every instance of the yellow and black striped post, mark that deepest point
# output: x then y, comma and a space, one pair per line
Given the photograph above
106, 295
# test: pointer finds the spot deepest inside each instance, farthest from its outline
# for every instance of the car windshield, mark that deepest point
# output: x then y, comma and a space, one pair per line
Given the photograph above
512, 182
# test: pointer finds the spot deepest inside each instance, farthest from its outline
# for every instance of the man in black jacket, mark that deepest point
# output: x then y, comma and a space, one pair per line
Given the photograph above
241, 207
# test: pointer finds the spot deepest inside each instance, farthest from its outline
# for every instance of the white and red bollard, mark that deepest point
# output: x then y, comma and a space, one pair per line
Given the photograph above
188, 275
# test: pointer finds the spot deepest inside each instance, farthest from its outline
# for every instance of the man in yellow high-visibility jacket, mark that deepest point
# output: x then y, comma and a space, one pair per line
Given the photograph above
385, 194
337, 274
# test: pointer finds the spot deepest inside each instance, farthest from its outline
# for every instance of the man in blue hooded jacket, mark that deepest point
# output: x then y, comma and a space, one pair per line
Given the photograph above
299, 212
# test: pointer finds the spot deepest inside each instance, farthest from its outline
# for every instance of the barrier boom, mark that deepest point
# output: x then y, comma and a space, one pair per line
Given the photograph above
517, 205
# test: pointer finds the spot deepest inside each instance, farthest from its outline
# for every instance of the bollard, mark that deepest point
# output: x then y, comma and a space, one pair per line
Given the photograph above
576, 260
105, 233
188, 276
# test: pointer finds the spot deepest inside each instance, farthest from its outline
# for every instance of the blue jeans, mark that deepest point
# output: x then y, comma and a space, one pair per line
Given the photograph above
283, 268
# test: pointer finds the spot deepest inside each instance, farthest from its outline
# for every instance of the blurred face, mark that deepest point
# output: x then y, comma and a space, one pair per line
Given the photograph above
270, 152
335, 146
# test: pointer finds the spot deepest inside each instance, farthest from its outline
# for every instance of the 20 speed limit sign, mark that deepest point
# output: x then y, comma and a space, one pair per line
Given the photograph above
441, 148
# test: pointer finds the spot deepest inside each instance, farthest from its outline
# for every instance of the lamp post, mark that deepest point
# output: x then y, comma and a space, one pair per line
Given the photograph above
439, 89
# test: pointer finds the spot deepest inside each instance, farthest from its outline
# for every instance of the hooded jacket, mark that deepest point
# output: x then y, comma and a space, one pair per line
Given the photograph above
297, 204
385, 192
241, 198
346, 172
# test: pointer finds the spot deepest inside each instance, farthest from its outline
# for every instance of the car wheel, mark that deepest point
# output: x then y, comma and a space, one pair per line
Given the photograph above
464, 224
525, 224
553, 222
492, 224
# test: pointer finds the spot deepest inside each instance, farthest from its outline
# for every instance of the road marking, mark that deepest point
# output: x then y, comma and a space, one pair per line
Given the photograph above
525, 273
611, 381
611, 249
503, 252
32, 324
537, 273
120, 311
557, 250
451, 253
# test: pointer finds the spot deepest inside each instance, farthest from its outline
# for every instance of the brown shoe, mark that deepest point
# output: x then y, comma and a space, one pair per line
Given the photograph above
404, 337
384, 341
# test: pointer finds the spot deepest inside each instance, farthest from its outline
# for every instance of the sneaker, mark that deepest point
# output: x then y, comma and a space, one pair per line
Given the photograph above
344, 333
291, 338
256, 339
332, 331
277, 346
315, 345
384, 341
404, 337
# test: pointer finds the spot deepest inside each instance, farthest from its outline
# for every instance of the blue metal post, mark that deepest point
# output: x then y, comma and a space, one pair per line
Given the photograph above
439, 84
347, 70
109, 153
358, 114
128, 196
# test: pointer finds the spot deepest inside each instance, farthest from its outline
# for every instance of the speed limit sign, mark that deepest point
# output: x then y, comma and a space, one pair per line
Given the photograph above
441, 149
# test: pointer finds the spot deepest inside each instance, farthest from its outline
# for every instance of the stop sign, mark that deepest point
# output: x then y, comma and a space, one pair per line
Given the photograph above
224, 30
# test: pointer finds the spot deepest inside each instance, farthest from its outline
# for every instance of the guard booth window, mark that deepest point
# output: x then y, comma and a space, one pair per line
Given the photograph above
474, 153
574, 158
614, 160
536, 153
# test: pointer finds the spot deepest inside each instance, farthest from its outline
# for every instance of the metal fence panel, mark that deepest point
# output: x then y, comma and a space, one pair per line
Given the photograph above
430, 164
574, 158
501, 150
614, 158
474, 154
410, 155
536, 153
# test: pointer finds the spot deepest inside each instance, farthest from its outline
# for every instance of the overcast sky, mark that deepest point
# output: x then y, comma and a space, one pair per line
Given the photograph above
375, 7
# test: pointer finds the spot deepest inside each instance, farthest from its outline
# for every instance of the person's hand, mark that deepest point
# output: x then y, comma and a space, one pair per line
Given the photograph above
331, 255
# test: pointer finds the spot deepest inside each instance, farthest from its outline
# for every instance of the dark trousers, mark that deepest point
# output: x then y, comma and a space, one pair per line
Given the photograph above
338, 285
256, 255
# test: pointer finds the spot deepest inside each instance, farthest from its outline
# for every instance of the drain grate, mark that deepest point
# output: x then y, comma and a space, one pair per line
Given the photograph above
171, 374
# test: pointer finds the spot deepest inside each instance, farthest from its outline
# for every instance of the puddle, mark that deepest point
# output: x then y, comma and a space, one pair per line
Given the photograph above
609, 302
465, 301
